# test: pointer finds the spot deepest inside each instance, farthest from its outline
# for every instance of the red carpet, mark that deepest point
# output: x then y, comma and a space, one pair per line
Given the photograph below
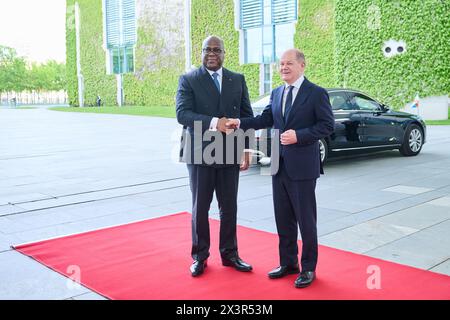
150, 260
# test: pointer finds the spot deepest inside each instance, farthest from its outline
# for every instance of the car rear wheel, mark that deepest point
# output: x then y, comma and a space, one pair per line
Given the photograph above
323, 150
413, 141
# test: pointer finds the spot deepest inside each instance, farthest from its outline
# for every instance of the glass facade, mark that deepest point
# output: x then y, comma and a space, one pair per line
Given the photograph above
122, 60
120, 34
268, 28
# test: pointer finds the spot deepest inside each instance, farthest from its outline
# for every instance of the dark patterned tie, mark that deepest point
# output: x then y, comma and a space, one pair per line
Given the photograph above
288, 104
216, 82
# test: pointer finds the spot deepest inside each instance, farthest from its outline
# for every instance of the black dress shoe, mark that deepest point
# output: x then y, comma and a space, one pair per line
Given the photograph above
197, 267
282, 271
237, 263
305, 279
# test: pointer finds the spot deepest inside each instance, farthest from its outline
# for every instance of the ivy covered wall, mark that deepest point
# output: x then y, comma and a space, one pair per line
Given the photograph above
342, 41
71, 66
92, 55
160, 48
363, 27
315, 37
159, 54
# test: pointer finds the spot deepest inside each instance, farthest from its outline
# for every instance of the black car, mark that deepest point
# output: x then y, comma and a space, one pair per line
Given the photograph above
362, 124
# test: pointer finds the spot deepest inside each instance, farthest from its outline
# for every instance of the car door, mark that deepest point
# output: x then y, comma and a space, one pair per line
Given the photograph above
379, 128
348, 127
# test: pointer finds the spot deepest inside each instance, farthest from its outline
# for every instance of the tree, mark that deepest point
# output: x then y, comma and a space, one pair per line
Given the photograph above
50, 76
15, 76
13, 70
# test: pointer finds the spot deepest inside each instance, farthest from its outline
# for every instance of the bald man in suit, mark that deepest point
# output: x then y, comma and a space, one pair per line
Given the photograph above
302, 114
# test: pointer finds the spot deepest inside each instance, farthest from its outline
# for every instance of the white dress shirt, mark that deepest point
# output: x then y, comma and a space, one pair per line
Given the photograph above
296, 85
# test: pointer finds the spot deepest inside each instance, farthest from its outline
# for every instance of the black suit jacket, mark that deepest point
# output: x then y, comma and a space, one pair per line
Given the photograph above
311, 117
198, 100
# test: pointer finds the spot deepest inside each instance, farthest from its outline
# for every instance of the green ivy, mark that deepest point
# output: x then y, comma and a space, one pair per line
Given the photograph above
92, 55
159, 86
156, 87
151, 88
315, 37
360, 34
71, 66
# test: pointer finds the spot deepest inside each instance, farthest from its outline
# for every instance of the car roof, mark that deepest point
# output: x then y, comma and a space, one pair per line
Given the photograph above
343, 89
329, 90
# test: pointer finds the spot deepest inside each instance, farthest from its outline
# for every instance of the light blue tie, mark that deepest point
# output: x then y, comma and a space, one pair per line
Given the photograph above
216, 82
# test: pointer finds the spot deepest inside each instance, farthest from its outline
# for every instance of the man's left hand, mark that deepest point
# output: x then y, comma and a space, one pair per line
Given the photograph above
288, 137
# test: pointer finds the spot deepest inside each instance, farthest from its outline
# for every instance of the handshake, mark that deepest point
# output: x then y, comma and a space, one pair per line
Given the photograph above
227, 125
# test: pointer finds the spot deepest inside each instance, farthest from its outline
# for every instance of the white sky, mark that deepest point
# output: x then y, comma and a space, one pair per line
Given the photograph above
35, 28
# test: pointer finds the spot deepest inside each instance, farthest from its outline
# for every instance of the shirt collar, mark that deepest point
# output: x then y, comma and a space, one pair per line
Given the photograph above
219, 72
297, 83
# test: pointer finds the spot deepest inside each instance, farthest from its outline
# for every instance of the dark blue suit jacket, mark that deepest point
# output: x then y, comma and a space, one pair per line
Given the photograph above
311, 117
198, 100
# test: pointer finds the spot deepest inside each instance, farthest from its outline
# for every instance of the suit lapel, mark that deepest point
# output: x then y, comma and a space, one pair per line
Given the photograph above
302, 94
208, 83
227, 83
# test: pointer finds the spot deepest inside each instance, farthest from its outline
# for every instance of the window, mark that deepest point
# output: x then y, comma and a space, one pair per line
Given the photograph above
251, 13
339, 101
253, 45
364, 103
268, 28
122, 60
284, 38
120, 34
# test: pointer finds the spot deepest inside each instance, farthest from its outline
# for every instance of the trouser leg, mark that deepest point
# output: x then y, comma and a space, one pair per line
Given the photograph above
202, 179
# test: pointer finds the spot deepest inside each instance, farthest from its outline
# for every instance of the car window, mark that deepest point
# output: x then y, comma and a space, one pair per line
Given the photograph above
365, 103
339, 101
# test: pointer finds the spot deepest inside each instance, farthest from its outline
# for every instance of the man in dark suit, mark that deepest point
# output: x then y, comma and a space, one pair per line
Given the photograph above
302, 113
206, 98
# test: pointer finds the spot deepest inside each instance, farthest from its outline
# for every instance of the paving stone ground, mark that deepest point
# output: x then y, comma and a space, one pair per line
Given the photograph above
64, 173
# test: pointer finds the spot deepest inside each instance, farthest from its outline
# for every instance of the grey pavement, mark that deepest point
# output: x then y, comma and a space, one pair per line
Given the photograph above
65, 173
